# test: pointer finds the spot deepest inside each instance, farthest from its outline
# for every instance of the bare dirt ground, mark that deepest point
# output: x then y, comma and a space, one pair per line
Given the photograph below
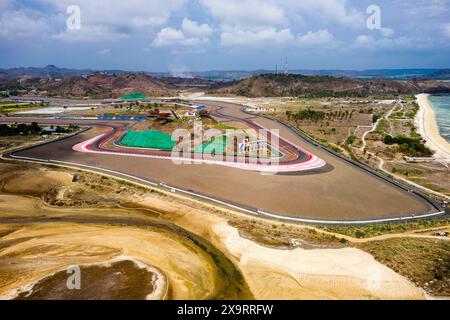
13, 142
111, 281
202, 251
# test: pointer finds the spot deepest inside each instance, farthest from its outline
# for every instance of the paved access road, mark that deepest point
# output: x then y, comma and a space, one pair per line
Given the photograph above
338, 191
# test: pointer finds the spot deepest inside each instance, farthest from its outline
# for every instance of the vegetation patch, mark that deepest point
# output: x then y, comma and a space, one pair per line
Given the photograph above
284, 236
382, 126
20, 129
409, 146
413, 112
30, 129
307, 114
407, 172
367, 231
351, 139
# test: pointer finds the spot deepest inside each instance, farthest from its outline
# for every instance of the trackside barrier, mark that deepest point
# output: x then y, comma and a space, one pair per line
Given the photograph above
260, 213
412, 217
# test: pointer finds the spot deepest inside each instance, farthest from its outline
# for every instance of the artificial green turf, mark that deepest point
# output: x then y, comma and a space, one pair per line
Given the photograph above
218, 145
132, 96
148, 139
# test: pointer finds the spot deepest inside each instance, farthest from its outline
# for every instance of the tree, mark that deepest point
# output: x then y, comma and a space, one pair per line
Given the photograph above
388, 139
351, 139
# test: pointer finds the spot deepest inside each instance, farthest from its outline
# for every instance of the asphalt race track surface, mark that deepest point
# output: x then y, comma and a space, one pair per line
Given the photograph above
337, 191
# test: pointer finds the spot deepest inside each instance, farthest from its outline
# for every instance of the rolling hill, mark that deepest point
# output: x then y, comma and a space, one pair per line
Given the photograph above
295, 85
102, 85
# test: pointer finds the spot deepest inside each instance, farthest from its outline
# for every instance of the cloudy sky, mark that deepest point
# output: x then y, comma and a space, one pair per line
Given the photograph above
181, 35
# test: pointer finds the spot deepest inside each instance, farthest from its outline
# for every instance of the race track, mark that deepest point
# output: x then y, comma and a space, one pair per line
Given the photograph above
333, 191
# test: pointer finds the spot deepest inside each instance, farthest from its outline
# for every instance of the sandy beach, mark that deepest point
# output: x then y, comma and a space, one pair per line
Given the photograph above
428, 128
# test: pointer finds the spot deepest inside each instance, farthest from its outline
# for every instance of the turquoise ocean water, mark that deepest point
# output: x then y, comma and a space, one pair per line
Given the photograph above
441, 107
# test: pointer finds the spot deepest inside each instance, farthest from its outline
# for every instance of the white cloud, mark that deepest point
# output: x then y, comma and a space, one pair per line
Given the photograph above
192, 34
117, 18
446, 29
267, 36
22, 23
387, 32
399, 43
257, 13
249, 23
89, 34
364, 41
371, 43
335, 11
104, 52
193, 28
321, 38
253, 22
5, 4
248, 13
430, 8
168, 37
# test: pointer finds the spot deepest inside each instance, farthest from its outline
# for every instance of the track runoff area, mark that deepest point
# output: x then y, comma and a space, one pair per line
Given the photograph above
262, 150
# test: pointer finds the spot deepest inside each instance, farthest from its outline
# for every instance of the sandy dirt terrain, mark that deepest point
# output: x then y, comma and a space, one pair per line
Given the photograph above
346, 273
192, 245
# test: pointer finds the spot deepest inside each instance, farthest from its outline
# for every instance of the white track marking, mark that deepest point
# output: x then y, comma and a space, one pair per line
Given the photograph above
353, 222
236, 207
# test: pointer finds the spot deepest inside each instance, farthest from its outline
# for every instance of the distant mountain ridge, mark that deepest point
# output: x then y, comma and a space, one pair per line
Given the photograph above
101, 85
271, 85
52, 71
400, 74
47, 71
116, 84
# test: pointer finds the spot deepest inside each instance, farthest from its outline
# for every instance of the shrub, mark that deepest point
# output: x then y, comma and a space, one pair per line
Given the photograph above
360, 234
389, 140
351, 139
409, 146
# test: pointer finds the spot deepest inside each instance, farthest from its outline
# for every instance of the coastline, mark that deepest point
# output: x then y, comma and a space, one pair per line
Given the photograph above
428, 128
